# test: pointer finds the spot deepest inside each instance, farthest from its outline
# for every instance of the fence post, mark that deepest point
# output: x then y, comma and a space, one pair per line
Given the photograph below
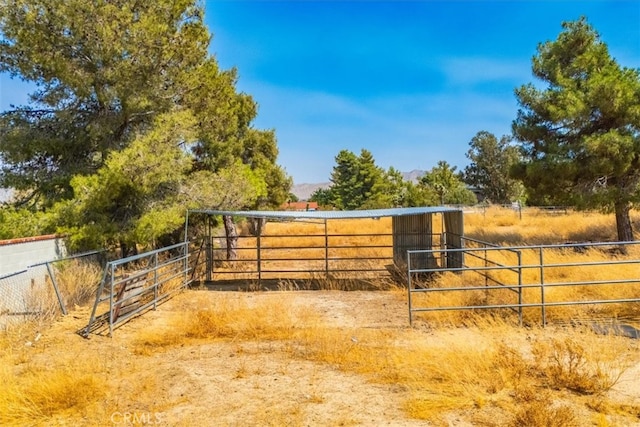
55, 288
520, 287
155, 281
542, 296
259, 254
209, 251
409, 287
326, 250
186, 264
111, 300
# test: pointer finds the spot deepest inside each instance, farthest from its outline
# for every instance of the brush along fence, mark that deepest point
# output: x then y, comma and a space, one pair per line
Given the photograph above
45, 289
133, 285
569, 282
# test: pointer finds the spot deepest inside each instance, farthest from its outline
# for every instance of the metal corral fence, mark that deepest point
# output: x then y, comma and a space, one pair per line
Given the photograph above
133, 285
538, 283
43, 289
308, 257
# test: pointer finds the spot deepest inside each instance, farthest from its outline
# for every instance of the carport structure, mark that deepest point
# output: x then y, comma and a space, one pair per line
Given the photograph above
312, 245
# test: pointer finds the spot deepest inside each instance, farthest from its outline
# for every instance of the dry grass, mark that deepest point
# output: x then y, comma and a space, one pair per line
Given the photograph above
474, 367
539, 227
34, 390
77, 282
518, 377
488, 373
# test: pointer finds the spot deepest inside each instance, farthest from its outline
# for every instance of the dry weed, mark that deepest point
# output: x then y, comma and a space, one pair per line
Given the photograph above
539, 408
39, 393
585, 363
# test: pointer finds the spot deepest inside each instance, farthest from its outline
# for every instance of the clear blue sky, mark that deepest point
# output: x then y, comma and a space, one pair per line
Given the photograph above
410, 81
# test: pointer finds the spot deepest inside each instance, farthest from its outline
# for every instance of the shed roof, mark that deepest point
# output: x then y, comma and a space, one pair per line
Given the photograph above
369, 213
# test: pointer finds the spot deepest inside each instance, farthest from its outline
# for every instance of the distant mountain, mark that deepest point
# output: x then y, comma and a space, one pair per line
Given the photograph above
413, 176
304, 191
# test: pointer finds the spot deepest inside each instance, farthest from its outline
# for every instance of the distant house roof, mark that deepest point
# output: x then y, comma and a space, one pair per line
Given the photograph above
300, 206
369, 213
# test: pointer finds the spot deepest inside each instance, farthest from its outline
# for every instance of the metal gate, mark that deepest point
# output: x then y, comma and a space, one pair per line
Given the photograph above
133, 285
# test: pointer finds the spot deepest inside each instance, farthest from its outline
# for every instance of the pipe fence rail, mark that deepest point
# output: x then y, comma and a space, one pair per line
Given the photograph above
603, 278
302, 256
131, 286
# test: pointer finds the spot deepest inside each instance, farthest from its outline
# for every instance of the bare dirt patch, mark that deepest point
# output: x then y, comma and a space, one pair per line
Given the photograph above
240, 382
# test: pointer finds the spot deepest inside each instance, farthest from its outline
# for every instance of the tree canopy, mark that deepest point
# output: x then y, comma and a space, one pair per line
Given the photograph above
132, 120
443, 181
580, 135
489, 170
357, 182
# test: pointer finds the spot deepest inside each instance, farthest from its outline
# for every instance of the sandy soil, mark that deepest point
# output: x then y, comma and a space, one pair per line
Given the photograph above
251, 383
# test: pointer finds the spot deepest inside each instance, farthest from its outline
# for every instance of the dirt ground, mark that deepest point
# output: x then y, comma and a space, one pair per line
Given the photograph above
250, 383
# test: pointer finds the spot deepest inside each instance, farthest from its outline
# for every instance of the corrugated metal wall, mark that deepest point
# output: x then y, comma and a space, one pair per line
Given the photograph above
412, 232
454, 225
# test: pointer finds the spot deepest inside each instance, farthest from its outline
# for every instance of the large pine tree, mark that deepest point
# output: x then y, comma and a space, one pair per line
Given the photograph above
132, 120
580, 135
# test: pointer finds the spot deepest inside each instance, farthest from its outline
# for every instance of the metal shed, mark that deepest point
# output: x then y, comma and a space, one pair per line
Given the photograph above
411, 229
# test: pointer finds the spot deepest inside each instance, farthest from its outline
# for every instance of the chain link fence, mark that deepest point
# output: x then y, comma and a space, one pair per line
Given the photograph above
45, 290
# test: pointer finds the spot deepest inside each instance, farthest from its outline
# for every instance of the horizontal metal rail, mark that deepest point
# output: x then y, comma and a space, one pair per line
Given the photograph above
278, 256
489, 259
133, 285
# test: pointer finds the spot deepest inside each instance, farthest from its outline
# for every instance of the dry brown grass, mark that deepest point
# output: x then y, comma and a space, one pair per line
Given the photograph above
487, 373
539, 227
477, 368
519, 377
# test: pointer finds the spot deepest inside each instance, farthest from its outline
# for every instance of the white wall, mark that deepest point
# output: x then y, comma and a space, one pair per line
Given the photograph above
18, 254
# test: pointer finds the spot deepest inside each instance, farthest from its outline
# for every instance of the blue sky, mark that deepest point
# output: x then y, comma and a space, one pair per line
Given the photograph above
410, 81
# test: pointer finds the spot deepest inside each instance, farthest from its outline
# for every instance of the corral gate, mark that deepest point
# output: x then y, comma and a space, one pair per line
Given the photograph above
133, 285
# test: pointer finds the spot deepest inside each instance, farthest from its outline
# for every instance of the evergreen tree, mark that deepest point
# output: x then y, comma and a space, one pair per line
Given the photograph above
357, 182
580, 136
323, 197
112, 78
491, 163
448, 185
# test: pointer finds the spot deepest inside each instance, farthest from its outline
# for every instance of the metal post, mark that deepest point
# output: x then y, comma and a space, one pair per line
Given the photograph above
186, 264
111, 302
326, 250
409, 288
209, 250
97, 300
186, 227
155, 281
186, 249
542, 296
520, 287
55, 288
259, 253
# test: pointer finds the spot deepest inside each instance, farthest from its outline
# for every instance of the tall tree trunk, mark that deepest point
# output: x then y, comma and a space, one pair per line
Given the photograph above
232, 237
623, 222
256, 226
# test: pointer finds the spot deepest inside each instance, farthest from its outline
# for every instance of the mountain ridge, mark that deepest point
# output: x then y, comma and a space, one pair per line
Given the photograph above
304, 190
